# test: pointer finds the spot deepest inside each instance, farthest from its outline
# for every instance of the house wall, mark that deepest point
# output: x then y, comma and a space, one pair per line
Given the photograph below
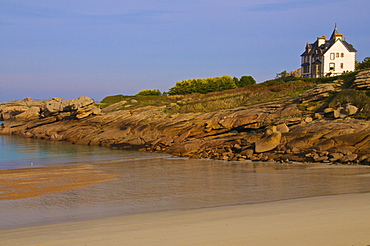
305, 59
334, 56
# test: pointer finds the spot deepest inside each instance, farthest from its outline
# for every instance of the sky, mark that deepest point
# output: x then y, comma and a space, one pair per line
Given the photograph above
96, 48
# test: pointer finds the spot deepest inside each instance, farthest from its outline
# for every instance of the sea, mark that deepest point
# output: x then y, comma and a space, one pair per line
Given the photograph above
153, 182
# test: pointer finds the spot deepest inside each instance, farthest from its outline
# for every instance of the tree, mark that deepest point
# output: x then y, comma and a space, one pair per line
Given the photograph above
282, 75
365, 64
245, 81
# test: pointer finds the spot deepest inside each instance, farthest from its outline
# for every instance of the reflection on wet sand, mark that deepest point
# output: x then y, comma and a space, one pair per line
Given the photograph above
137, 186
34, 182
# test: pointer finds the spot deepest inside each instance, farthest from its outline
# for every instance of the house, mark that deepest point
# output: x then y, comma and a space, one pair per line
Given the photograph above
328, 57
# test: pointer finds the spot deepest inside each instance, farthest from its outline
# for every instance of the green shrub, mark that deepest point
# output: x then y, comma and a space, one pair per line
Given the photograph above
154, 92
365, 64
202, 86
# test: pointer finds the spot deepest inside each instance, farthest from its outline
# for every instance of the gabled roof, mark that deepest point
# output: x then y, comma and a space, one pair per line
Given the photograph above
349, 46
314, 49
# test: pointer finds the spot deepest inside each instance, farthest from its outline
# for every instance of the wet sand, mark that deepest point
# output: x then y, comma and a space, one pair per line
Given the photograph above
33, 182
331, 220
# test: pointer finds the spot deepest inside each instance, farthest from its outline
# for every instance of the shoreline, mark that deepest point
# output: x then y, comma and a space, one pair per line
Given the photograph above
265, 131
328, 220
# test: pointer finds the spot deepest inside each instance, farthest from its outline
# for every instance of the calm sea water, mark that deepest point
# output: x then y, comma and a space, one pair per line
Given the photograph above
19, 152
150, 182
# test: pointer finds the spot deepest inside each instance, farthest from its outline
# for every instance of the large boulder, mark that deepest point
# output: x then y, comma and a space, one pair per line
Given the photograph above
319, 92
78, 108
9, 112
30, 114
351, 109
269, 142
343, 112
56, 105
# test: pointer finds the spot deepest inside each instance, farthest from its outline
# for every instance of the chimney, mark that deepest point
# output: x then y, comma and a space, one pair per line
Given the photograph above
321, 40
338, 36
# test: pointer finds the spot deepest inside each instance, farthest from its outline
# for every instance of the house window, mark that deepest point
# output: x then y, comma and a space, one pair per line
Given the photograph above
341, 66
337, 55
332, 66
342, 55
332, 56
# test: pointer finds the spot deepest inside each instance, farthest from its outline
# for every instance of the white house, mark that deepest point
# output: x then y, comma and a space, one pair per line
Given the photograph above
328, 57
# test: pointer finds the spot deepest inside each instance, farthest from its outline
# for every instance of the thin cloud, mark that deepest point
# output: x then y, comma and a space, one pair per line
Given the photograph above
282, 6
12, 12
29, 11
132, 16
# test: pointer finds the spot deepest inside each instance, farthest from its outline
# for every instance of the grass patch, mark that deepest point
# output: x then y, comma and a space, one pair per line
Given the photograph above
113, 99
238, 97
138, 101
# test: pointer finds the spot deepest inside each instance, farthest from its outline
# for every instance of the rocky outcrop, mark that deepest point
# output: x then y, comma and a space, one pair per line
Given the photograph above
320, 92
362, 80
295, 73
79, 108
27, 110
275, 131
9, 112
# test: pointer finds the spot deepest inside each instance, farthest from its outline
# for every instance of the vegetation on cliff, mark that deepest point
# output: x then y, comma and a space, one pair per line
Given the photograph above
365, 64
149, 92
281, 87
202, 86
238, 97
197, 102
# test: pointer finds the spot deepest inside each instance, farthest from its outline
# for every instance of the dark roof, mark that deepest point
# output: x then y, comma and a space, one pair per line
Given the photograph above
305, 53
335, 32
313, 49
349, 46
317, 62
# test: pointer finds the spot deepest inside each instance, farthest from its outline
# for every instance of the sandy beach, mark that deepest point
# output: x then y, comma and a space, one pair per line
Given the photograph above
331, 220
33, 182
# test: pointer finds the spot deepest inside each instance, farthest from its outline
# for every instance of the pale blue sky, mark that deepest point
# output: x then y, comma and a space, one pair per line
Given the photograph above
70, 48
